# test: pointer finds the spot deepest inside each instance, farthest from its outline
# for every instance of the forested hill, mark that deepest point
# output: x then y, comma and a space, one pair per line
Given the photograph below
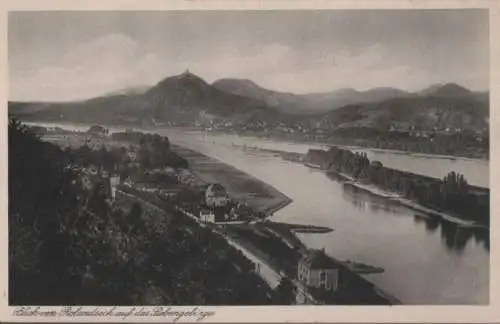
427, 113
184, 99
236, 105
71, 246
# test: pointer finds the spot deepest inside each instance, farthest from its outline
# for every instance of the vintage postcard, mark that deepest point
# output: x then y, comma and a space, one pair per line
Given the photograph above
256, 161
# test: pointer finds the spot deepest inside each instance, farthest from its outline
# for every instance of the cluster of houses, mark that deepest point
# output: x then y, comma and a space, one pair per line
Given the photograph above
218, 207
93, 176
215, 204
167, 192
430, 134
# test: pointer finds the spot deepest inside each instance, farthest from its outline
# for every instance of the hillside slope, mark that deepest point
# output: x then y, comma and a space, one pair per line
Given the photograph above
424, 113
286, 102
187, 100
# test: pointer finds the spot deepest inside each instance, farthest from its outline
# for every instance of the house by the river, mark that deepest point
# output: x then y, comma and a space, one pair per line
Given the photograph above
216, 196
318, 270
328, 281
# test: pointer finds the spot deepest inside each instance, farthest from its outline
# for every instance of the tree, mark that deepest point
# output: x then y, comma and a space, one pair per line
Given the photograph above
42, 203
135, 215
285, 292
144, 157
96, 129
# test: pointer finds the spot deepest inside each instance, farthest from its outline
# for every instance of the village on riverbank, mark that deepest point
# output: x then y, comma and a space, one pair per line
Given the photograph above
147, 178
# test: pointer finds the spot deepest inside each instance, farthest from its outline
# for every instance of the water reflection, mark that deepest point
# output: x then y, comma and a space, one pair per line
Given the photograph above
366, 201
453, 236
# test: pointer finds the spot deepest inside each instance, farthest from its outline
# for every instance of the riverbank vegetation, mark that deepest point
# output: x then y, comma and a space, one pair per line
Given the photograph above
86, 250
466, 144
452, 194
462, 144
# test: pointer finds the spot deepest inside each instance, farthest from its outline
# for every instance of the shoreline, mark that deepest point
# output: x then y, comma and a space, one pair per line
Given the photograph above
267, 206
264, 137
408, 203
398, 198
271, 210
416, 154
258, 194
285, 200
393, 196
356, 147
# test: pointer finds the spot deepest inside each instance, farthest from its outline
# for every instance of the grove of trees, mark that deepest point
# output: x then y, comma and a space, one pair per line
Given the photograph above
69, 247
451, 194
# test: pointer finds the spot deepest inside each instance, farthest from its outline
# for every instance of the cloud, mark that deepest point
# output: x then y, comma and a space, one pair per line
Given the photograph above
280, 68
88, 69
117, 61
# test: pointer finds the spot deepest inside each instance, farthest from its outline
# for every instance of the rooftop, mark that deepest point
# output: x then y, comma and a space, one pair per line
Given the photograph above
318, 259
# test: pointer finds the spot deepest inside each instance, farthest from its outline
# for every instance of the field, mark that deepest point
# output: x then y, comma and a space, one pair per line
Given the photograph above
258, 195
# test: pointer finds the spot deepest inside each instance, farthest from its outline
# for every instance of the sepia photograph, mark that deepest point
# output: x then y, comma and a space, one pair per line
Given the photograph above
248, 157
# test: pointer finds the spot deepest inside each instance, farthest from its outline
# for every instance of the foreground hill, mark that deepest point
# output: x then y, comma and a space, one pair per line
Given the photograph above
88, 248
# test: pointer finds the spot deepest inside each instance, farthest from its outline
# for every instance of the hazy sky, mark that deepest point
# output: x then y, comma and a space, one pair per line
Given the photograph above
72, 55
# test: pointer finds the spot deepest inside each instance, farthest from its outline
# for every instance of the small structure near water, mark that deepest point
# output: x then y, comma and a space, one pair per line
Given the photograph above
318, 270
97, 130
216, 196
207, 216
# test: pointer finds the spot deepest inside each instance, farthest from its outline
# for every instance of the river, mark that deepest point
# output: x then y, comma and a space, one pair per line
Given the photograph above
426, 260
475, 171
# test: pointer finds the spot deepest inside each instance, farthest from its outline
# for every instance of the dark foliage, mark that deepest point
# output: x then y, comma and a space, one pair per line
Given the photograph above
96, 129
109, 160
451, 194
286, 291
70, 246
154, 150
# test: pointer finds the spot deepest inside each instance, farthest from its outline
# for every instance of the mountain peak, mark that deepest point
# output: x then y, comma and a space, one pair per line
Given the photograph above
186, 79
188, 75
445, 90
453, 88
233, 84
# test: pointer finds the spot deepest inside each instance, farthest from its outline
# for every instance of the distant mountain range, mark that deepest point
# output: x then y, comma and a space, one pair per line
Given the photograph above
188, 100
308, 103
129, 91
326, 101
